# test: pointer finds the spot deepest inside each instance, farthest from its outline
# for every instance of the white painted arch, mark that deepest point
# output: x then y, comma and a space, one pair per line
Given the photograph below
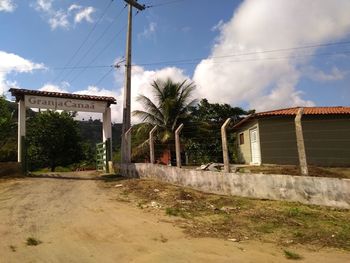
62, 101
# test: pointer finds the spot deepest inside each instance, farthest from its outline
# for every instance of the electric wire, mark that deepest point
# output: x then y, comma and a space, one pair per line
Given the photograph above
108, 44
185, 61
86, 39
162, 4
94, 43
195, 60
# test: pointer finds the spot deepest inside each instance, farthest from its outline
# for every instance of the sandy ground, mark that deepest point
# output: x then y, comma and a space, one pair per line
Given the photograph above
81, 221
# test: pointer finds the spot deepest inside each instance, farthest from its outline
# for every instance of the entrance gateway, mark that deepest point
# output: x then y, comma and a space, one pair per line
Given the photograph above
63, 101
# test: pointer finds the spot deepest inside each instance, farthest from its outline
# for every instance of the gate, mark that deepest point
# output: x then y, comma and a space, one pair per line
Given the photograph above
101, 164
103, 156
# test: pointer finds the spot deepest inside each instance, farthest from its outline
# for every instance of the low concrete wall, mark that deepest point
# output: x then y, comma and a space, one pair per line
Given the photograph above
304, 189
10, 169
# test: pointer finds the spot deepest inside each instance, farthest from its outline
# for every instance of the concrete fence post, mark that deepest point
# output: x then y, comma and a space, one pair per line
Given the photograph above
128, 144
224, 146
178, 146
300, 143
151, 144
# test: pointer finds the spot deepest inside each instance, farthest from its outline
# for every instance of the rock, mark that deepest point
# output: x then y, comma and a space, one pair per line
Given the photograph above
227, 209
118, 185
156, 190
156, 205
204, 166
233, 239
214, 167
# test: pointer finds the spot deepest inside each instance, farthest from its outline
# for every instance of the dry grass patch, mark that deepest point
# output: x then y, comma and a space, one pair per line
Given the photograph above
230, 217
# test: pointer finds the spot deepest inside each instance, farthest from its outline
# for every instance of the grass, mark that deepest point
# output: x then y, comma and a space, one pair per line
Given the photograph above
31, 241
209, 215
292, 255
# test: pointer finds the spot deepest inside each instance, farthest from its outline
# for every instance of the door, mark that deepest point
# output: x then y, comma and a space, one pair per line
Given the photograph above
255, 146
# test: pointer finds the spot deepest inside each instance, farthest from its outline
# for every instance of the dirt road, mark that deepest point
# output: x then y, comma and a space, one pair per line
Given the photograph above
81, 221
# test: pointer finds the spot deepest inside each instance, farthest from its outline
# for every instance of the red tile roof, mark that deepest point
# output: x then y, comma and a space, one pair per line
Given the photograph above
337, 110
307, 111
19, 93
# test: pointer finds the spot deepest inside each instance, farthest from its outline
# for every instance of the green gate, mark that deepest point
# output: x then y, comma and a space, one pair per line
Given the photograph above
103, 156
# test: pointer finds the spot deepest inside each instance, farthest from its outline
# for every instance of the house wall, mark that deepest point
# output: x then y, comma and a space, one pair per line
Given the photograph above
327, 140
278, 140
244, 150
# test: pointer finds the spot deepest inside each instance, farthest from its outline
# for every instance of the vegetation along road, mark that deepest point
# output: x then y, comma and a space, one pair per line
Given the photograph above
118, 220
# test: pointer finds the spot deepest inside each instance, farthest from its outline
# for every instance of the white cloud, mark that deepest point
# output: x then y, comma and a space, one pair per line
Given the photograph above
60, 18
218, 26
320, 75
12, 63
262, 83
7, 6
84, 14
54, 88
149, 31
74, 7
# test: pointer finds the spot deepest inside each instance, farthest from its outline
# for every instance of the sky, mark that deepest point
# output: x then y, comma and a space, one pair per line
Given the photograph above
254, 54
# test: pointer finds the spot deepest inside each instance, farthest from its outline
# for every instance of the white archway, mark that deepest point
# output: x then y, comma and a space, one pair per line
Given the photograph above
62, 101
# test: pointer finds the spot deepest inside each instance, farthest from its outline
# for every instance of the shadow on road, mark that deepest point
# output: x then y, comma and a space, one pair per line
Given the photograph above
78, 176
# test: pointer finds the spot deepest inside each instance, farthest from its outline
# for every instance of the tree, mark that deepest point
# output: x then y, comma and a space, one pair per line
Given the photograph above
53, 140
168, 108
204, 141
8, 149
6, 123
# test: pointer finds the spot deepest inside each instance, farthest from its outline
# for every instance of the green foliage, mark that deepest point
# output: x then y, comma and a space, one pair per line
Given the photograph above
31, 241
292, 255
8, 148
53, 140
169, 108
203, 142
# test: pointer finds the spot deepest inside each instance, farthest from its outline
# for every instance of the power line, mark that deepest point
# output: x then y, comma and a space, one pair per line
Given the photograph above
184, 61
103, 77
188, 61
109, 43
177, 62
60, 68
86, 38
162, 4
96, 41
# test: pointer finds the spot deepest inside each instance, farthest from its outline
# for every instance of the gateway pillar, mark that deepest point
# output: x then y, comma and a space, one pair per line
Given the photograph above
107, 133
21, 131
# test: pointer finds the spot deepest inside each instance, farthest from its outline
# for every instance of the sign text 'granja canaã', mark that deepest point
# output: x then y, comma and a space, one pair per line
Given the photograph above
64, 104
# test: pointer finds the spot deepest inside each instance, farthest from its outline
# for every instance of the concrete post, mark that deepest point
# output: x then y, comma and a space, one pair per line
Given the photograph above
21, 129
224, 146
151, 144
107, 131
128, 140
300, 143
177, 145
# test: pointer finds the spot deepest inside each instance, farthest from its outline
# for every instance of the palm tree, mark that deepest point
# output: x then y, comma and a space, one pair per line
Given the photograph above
168, 108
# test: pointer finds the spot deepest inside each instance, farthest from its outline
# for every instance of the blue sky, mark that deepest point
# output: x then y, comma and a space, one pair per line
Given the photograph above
38, 37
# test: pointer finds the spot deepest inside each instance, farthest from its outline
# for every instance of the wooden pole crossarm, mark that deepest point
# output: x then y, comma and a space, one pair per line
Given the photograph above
135, 4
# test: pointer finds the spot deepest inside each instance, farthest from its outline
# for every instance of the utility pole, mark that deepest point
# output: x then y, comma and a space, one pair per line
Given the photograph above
126, 151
